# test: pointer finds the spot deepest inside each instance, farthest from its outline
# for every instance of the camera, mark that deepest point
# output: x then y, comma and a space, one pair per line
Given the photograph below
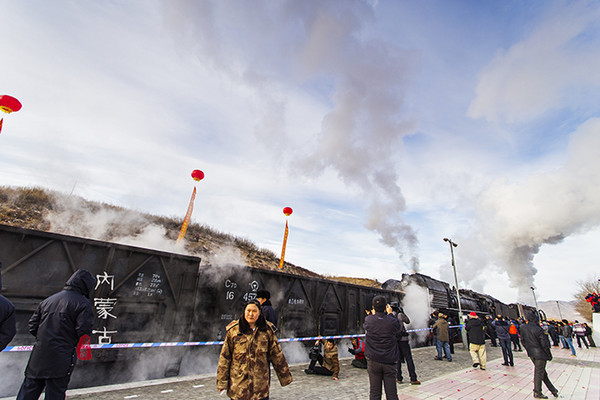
314, 353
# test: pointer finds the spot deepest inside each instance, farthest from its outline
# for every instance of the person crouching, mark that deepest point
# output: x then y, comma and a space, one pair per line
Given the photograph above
330, 364
358, 349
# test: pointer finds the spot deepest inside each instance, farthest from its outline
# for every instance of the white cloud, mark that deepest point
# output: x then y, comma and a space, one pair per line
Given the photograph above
540, 73
310, 105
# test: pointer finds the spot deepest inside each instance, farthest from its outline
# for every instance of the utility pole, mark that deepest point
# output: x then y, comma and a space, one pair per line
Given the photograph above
463, 332
535, 301
559, 313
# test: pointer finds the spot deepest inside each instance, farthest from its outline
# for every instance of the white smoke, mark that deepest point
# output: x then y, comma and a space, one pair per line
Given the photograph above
227, 255
517, 218
321, 45
416, 303
72, 215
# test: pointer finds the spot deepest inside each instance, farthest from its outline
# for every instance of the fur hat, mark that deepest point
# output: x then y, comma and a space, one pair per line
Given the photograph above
263, 294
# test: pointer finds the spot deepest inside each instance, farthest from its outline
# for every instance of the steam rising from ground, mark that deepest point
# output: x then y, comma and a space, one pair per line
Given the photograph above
74, 216
519, 217
323, 46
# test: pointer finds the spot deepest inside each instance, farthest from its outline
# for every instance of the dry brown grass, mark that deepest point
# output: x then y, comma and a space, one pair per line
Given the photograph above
30, 207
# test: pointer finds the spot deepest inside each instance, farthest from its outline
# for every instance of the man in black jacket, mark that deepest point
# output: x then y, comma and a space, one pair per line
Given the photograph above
264, 298
476, 336
7, 319
382, 336
537, 345
58, 323
490, 330
403, 345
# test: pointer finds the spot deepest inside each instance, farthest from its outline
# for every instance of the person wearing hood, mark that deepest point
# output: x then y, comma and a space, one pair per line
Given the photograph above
264, 298
58, 323
537, 345
7, 319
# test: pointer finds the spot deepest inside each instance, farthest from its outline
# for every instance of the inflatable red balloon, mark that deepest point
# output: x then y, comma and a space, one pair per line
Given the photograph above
197, 175
288, 211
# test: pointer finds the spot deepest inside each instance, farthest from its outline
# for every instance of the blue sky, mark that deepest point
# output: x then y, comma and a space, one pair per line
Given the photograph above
385, 125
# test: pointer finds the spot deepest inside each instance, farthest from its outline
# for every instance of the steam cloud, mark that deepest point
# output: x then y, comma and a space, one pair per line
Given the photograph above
322, 45
518, 218
416, 303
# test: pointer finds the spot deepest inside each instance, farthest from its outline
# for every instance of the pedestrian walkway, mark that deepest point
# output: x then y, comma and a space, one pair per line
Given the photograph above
576, 378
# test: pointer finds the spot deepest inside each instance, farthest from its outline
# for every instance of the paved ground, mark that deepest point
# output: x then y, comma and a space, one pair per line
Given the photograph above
576, 378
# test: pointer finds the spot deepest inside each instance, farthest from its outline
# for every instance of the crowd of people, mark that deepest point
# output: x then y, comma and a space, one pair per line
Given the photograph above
251, 345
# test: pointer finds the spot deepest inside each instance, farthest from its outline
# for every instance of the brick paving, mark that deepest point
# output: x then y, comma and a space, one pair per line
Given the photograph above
576, 379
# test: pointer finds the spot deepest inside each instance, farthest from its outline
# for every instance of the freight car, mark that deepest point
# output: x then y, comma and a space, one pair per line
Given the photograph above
150, 296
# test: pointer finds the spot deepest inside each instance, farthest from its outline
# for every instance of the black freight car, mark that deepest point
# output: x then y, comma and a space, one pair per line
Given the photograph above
150, 296
141, 296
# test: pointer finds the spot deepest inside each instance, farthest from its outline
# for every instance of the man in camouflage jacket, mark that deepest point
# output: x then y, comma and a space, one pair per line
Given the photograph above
244, 363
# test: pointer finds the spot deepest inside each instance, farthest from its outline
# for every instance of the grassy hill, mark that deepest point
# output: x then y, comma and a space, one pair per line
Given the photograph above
45, 210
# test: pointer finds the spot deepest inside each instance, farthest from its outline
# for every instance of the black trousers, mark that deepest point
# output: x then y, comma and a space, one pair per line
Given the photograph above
515, 341
406, 356
378, 373
540, 375
507, 353
319, 370
582, 338
31, 389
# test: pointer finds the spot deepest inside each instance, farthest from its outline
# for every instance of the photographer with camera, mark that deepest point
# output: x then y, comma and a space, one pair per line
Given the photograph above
358, 349
403, 345
329, 361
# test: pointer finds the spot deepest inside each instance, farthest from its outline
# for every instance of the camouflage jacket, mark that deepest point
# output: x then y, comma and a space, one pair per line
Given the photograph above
244, 363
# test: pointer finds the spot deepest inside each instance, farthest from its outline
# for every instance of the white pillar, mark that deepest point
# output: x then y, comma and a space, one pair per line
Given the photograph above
596, 328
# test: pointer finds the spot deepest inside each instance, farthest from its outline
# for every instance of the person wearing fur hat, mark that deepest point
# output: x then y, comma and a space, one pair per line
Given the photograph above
264, 298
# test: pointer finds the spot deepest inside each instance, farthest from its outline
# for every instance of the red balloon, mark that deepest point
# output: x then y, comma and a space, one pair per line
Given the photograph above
288, 211
9, 104
197, 175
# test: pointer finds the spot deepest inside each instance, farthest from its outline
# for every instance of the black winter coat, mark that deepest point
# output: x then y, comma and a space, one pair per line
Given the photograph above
536, 342
381, 339
57, 324
7, 322
474, 328
269, 312
501, 329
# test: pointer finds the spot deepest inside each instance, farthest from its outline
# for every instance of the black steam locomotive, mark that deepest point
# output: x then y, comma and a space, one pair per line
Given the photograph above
444, 299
